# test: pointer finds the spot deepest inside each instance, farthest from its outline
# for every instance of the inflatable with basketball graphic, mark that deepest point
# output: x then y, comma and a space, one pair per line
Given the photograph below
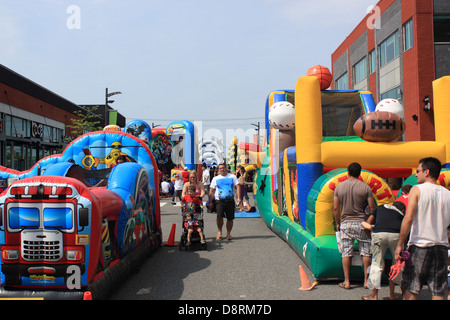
332, 128
323, 74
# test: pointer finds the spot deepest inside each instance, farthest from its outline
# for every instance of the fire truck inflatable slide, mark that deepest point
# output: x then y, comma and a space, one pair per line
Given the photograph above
65, 236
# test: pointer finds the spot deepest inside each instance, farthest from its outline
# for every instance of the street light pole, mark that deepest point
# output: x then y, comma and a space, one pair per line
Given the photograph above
257, 129
107, 95
106, 106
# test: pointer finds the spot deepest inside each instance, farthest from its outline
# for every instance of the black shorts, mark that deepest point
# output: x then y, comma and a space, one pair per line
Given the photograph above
225, 208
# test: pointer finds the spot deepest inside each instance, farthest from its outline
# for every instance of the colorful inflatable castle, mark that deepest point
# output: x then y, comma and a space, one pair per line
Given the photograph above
185, 151
303, 163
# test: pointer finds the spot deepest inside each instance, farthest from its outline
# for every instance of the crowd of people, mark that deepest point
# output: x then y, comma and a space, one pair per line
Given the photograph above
181, 181
224, 191
417, 222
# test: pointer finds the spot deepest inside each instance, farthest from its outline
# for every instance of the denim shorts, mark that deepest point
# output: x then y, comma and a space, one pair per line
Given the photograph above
427, 266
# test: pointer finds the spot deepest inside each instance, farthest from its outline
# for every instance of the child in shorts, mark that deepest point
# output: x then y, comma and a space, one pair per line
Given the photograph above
192, 225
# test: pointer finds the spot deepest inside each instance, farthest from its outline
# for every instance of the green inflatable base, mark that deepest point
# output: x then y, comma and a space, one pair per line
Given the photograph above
321, 254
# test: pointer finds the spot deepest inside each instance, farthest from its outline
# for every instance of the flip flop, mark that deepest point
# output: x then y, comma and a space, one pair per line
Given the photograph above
229, 237
219, 236
344, 286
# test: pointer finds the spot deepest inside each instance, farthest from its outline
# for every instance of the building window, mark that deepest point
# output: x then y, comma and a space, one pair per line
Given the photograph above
392, 94
408, 35
372, 61
8, 157
8, 124
359, 71
389, 49
441, 28
342, 82
48, 133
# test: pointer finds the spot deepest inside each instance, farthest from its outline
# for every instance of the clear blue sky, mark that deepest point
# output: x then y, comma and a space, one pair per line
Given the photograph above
174, 59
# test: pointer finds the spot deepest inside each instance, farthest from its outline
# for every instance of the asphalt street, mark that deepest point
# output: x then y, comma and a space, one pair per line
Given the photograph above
255, 265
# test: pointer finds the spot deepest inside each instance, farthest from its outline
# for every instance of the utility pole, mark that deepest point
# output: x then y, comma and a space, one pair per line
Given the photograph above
257, 129
107, 95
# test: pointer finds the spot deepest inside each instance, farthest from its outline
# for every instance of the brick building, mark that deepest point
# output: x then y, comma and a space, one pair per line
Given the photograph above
396, 51
33, 121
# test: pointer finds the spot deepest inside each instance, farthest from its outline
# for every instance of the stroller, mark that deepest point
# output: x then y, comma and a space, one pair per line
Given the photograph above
197, 217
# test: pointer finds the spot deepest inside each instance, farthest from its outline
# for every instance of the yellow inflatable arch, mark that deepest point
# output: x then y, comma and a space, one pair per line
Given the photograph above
444, 178
320, 203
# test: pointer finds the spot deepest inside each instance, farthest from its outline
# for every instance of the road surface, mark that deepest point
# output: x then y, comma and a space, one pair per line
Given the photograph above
255, 265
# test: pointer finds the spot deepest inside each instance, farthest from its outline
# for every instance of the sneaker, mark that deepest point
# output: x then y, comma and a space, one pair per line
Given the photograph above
173, 202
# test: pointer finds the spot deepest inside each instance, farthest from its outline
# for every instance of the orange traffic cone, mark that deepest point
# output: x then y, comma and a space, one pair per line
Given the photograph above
87, 295
171, 241
306, 284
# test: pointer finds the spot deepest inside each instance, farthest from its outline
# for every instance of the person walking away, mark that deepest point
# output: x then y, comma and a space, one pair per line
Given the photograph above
426, 222
385, 232
404, 194
350, 200
222, 189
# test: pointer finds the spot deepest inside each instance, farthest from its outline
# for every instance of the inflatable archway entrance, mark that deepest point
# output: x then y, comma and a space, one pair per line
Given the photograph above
319, 214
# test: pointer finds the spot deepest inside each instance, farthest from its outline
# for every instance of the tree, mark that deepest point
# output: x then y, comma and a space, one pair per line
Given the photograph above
86, 121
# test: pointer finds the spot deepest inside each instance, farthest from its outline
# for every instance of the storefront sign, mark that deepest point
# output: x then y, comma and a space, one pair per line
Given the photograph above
37, 130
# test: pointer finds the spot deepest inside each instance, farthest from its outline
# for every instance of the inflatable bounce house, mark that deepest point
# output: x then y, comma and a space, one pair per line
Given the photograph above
162, 147
185, 152
243, 154
312, 135
246, 155
232, 155
78, 222
211, 152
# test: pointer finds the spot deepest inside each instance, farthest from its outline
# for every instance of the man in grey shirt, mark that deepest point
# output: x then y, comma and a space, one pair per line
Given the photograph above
351, 197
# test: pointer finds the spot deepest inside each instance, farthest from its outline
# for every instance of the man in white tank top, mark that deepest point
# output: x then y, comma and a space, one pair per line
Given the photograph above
426, 221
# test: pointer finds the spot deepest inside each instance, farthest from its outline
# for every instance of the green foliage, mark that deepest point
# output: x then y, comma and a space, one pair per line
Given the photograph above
86, 123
